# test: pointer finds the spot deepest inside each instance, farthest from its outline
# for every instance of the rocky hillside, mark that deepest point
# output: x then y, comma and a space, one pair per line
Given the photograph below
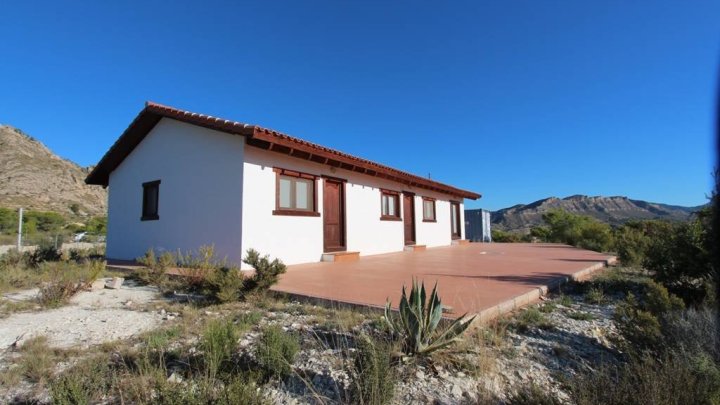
613, 210
34, 177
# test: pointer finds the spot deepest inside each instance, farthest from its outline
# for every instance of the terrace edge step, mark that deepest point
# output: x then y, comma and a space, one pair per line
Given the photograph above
413, 248
339, 257
460, 242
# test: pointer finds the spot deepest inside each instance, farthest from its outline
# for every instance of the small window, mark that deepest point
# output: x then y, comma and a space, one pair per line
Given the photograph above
389, 205
151, 193
295, 193
428, 210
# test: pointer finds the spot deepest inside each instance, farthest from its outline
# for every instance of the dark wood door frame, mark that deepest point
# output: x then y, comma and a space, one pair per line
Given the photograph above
455, 208
334, 234
409, 218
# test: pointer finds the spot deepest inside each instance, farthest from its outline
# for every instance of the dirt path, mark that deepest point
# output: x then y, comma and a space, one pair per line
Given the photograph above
92, 317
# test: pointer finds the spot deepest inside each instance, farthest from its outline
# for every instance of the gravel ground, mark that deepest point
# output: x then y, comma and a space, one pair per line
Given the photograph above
92, 317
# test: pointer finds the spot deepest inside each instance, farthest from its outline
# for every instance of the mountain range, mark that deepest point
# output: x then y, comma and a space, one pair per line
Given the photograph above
33, 177
613, 210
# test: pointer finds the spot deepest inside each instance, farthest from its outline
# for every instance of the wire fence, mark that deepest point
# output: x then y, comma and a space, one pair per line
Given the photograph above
57, 239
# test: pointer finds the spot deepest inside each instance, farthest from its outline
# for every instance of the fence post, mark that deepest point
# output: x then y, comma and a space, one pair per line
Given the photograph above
19, 239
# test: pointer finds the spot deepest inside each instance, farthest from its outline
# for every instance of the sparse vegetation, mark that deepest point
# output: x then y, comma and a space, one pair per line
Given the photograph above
372, 377
595, 295
671, 380
67, 280
532, 318
532, 395
275, 352
581, 316
203, 272
234, 346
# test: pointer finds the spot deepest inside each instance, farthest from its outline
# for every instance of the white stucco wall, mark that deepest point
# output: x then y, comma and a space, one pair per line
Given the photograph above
200, 200
300, 239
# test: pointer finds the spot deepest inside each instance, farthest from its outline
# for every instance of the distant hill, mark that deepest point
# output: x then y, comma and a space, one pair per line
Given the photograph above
33, 177
613, 210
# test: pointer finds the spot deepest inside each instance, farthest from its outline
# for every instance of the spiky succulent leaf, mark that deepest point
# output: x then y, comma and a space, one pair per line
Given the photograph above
450, 334
419, 319
389, 319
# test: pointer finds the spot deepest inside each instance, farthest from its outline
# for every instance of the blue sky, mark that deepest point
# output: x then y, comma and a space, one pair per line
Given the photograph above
516, 100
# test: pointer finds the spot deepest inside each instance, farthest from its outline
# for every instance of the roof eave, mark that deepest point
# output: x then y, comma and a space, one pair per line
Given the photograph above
154, 112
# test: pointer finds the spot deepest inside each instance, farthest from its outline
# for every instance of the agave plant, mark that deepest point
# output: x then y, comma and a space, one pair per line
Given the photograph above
418, 321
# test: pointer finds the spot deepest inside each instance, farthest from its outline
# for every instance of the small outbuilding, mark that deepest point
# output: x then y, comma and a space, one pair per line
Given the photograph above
180, 180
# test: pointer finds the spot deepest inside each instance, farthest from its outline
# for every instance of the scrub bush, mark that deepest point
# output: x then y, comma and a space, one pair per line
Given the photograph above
680, 259
218, 343
372, 377
154, 269
275, 352
640, 321
670, 380
577, 230
266, 274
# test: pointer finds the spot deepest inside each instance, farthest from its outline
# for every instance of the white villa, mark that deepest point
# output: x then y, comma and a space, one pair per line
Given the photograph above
180, 180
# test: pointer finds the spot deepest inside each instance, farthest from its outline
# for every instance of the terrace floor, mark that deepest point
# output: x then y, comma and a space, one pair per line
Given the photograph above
488, 279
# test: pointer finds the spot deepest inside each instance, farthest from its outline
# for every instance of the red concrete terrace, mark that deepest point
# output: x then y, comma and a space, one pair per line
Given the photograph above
488, 279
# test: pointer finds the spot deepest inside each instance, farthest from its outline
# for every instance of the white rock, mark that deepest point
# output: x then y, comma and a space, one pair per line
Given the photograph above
115, 283
174, 378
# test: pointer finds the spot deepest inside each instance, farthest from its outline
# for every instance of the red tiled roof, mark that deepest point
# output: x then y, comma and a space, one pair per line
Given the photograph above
259, 137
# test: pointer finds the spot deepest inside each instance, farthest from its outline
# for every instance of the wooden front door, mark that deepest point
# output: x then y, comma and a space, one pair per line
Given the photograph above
409, 218
333, 216
455, 220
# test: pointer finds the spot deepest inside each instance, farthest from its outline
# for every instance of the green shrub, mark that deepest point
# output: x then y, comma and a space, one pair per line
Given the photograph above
595, 295
225, 284
266, 274
203, 272
154, 269
275, 352
531, 317
548, 307
84, 383
631, 243
693, 331
680, 258
45, 252
218, 343
565, 300
418, 321
196, 268
50, 222
508, 237
372, 378
247, 320
640, 321
541, 233
577, 230
671, 380
581, 316
12, 258
236, 391
37, 363
239, 391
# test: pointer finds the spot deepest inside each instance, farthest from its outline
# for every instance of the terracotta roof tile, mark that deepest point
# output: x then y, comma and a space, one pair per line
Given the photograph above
153, 112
